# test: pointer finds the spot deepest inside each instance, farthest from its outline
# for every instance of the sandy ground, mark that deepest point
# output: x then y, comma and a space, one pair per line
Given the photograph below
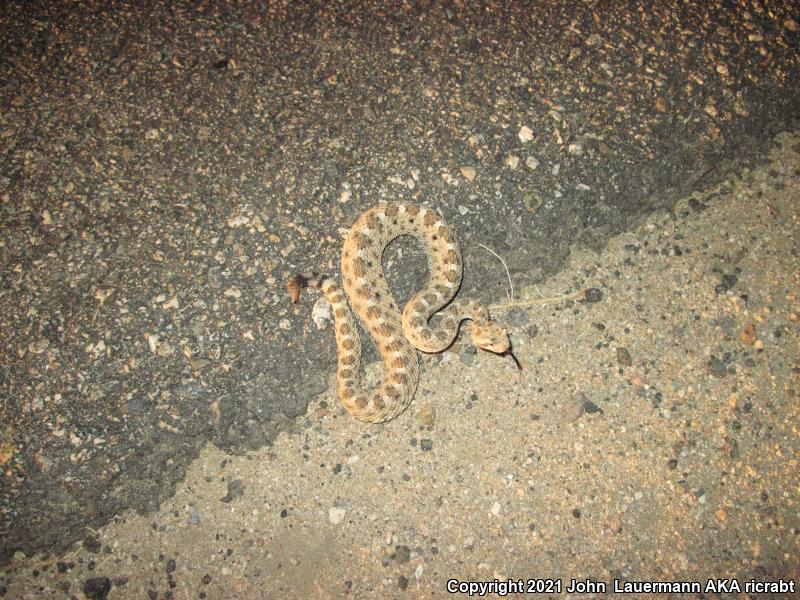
652, 435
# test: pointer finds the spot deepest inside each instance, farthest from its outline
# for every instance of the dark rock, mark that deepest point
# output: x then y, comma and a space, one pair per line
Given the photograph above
97, 588
716, 367
235, 490
593, 295
402, 554
624, 357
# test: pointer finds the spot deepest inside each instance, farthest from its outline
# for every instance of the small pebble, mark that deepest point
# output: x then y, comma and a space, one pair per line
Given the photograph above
336, 514
624, 357
575, 149
97, 588
427, 414
91, 544
615, 523
402, 554
716, 367
235, 490
591, 408
727, 283
748, 335
574, 408
469, 173
519, 317
467, 355
593, 295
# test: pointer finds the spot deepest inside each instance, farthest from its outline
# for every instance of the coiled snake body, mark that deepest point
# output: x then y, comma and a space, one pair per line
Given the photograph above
395, 334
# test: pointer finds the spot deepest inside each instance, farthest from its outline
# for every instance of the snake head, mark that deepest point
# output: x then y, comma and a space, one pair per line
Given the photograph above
490, 336
494, 338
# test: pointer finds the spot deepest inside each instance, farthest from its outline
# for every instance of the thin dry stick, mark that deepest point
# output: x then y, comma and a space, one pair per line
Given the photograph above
512, 304
510, 294
548, 300
41, 564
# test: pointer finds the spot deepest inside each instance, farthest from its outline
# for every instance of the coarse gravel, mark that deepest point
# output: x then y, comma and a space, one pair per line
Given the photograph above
651, 435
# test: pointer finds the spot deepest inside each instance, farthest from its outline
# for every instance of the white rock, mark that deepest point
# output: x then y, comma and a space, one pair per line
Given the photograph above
532, 163
336, 514
469, 173
525, 134
238, 221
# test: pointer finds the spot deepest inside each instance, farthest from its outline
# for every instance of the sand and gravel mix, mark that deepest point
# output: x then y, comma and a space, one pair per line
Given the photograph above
652, 435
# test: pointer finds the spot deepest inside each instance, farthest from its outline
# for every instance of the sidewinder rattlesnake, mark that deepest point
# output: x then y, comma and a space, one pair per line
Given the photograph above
394, 334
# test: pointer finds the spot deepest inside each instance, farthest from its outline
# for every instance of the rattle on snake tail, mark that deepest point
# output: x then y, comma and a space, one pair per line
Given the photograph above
396, 335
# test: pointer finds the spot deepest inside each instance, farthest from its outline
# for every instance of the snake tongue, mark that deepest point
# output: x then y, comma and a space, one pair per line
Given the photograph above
510, 352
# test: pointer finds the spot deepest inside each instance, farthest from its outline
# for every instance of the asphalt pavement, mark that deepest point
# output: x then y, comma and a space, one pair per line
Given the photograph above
167, 166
